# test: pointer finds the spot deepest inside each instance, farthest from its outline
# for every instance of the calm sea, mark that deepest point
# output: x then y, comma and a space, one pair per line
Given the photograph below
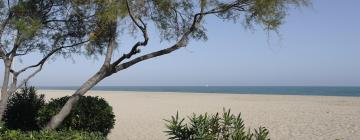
271, 90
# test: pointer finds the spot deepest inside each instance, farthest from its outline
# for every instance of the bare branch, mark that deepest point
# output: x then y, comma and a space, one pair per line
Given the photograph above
4, 24
2, 53
178, 45
182, 41
132, 16
25, 52
26, 79
44, 59
40, 65
17, 43
135, 49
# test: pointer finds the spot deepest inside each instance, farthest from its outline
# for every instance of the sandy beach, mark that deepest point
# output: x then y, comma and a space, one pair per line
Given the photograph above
139, 115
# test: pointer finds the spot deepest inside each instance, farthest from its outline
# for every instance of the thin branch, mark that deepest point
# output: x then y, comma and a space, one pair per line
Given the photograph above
25, 52
4, 24
2, 53
27, 79
44, 59
40, 65
135, 47
182, 41
2, 28
132, 16
66, 20
17, 43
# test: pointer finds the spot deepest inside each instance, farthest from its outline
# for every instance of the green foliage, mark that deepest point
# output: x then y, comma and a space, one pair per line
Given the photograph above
270, 13
212, 127
22, 109
45, 24
91, 114
27, 111
50, 135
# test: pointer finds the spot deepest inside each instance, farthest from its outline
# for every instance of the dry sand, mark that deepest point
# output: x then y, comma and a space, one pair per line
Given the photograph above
139, 115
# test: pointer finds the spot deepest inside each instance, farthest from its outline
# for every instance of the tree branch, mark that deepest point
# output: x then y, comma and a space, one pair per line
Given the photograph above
2, 28
183, 40
17, 43
44, 59
110, 50
40, 65
178, 45
66, 20
25, 52
135, 49
26, 79
2, 53
3, 25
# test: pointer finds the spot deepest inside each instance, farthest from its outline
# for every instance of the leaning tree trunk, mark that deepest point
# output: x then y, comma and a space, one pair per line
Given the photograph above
65, 110
4, 89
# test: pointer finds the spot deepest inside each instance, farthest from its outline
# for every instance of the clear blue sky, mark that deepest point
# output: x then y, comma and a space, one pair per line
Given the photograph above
318, 46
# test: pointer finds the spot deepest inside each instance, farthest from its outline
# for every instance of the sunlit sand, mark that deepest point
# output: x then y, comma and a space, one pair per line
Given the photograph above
139, 115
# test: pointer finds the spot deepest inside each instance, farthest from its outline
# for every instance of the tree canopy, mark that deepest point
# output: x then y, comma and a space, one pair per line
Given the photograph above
92, 27
42, 25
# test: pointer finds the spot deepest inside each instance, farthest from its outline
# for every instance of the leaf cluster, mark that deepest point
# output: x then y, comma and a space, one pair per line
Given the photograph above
44, 24
226, 126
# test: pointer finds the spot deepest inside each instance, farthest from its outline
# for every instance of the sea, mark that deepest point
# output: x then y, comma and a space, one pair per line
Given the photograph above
266, 90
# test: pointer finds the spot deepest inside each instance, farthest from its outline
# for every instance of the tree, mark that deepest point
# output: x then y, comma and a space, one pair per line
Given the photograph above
36, 26
177, 20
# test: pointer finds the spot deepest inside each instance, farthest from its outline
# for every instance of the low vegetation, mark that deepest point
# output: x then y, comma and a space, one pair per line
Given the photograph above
27, 113
212, 127
50, 135
22, 110
92, 119
91, 114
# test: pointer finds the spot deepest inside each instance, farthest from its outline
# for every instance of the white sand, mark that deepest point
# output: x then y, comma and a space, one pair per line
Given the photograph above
139, 115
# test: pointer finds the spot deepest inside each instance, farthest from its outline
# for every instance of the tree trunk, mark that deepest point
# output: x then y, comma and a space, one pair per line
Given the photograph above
4, 89
3, 105
65, 110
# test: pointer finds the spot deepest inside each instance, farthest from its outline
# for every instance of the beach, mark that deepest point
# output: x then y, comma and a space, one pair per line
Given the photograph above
140, 115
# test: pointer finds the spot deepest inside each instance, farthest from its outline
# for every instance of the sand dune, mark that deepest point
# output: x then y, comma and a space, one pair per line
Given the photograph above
139, 115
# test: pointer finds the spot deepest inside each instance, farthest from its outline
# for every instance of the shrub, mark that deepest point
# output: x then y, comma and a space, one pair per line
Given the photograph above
92, 114
50, 135
212, 127
22, 109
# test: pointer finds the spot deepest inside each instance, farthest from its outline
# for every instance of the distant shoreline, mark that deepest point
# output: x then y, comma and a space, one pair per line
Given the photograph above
260, 90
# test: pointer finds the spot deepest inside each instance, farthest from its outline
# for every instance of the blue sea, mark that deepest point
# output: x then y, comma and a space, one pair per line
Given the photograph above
267, 90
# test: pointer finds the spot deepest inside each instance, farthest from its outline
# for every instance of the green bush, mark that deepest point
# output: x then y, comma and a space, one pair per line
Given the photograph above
22, 109
50, 135
91, 114
212, 127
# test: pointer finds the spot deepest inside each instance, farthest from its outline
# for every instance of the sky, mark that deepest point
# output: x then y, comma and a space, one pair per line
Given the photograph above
317, 46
